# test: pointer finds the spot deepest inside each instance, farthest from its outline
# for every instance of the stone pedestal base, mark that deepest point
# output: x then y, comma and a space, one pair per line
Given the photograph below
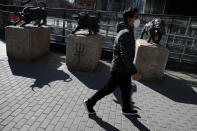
150, 60
27, 43
83, 51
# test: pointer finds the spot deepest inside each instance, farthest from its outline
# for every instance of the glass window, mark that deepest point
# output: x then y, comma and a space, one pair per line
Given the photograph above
193, 28
179, 25
191, 47
175, 44
168, 23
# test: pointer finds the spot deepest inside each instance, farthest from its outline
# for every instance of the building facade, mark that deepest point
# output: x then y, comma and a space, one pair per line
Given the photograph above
49, 3
173, 7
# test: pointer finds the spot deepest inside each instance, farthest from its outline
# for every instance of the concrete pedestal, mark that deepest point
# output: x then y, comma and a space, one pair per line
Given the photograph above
27, 43
83, 52
150, 60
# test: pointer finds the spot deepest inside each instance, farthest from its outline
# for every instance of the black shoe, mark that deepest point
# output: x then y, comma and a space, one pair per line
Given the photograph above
88, 107
129, 112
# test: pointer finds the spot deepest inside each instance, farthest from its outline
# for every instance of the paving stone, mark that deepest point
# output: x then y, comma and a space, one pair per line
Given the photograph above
29, 115
40, 129
45, 123
14, 129
77, 120
18, 118
51, 115
39, 112
60, 112
74, 128
56, 104
9, 126
42, 117
20, 123
1, 127
35, 126
7, 120
55, 120
50, 128
68, 123
5, 115
25, 128
59, 126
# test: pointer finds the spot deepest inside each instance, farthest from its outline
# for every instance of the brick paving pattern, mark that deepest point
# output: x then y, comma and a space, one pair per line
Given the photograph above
44, 95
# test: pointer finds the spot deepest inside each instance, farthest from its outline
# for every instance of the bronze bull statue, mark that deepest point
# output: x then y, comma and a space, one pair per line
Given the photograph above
154, 28
30, 14
85, 21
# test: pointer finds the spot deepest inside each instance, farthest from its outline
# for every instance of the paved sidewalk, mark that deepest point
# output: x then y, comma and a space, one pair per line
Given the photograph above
44, 95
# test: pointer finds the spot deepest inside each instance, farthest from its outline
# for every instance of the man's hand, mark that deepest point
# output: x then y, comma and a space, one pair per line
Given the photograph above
136, 77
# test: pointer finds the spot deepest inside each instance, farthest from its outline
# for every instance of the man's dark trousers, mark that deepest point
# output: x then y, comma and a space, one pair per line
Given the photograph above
121, 80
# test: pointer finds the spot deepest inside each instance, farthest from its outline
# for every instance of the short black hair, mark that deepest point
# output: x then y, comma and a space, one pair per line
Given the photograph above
129, 13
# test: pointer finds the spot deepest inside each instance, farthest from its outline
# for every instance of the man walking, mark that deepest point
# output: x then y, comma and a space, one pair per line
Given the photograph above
122, 65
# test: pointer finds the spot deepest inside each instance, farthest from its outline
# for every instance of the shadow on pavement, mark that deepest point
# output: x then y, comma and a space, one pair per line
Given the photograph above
176, 89
117, 94
137, 123
42, 75
103, 124
96, 81
109, 127
93, 80
193, 75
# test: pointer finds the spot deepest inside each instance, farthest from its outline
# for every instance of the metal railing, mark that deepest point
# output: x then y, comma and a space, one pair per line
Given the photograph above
180, 39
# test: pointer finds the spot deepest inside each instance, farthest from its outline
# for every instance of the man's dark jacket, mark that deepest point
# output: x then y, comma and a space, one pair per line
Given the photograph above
124, 50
